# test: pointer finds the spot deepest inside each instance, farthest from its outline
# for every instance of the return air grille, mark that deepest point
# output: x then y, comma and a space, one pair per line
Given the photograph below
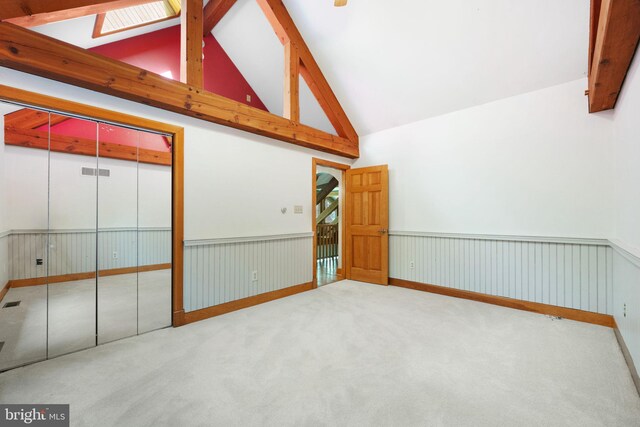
92, 172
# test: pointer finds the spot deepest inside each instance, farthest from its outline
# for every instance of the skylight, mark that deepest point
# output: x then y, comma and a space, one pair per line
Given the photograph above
136, 16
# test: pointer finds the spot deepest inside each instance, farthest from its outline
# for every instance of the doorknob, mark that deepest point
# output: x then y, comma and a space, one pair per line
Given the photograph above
383, 231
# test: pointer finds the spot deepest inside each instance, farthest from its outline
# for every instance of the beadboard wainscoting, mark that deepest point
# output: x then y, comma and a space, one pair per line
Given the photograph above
74, 251
220, 270
4, 259
572, 273
626, 301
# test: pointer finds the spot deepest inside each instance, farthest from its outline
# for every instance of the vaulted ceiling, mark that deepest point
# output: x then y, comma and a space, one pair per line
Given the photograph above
392, 63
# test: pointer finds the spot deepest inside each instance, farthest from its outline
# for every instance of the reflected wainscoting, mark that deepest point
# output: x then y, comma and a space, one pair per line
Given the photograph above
571, 273
4, 263
74, 251
218, 271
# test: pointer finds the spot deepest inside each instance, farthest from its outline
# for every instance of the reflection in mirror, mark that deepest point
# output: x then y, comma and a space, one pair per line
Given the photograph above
117, 232
72, 234
85, 234
154, 233
23, 235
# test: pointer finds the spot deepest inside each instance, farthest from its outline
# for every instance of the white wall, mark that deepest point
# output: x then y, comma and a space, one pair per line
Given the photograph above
626, 203
235, 186
235, 182
536, 165
73, 195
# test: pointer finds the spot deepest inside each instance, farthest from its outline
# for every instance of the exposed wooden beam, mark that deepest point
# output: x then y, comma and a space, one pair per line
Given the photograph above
291, 83
593, 28
615, 44
286, 30
325, 190
31, 13
214, 11
34, 53
328, 211
30, 138
191, 43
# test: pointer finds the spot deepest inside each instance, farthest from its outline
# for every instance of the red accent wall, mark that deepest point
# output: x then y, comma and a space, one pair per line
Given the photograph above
159, 52
110, 133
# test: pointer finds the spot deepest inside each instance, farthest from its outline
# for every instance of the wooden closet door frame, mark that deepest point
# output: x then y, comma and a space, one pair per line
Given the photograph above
57, 105
341, 204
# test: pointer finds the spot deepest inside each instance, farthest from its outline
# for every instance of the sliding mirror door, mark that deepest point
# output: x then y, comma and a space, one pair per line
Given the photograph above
24, 162
73, 193
154, 232
117, 232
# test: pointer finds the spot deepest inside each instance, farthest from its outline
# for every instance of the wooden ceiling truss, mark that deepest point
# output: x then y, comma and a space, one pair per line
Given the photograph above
27, 51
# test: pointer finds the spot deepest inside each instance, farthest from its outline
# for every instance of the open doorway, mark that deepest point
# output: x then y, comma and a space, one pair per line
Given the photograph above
328, 202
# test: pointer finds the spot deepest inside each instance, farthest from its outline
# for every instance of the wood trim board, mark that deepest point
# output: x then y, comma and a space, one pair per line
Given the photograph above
4, 290
37, 281
217, 310
535, 307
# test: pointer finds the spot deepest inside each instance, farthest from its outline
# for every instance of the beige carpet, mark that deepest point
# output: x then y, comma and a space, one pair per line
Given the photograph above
346, 354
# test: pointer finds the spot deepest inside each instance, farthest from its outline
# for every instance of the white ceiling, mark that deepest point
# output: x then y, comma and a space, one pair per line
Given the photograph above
396, 62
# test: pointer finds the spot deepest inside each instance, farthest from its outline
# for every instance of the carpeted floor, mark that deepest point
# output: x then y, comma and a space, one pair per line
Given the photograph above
346, 354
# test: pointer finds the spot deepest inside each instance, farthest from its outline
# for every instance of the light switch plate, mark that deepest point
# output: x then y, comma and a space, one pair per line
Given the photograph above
297, 209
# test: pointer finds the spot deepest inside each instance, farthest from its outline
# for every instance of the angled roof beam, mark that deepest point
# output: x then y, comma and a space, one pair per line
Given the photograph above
214, 11
31, 13
287, 32
326, 189
618, 32
31, 52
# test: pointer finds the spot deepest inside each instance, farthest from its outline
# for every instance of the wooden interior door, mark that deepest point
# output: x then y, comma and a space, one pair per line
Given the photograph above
367, 224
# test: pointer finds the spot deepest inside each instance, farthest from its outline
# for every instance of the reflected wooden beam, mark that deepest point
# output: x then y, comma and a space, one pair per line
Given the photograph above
618, 32
34, 53
30, 138
32, 119
31, 13
214, 11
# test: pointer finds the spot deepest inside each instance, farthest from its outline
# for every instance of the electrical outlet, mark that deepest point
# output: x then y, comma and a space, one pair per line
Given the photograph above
412, 264
115, 255
254, 276
624, 310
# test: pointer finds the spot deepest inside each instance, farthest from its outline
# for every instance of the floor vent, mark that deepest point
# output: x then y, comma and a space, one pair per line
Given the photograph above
11, 304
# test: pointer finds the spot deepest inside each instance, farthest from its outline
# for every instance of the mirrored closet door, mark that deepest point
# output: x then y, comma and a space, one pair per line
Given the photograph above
85, 234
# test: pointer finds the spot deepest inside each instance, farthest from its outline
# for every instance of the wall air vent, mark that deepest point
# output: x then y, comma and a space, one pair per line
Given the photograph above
92, 172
